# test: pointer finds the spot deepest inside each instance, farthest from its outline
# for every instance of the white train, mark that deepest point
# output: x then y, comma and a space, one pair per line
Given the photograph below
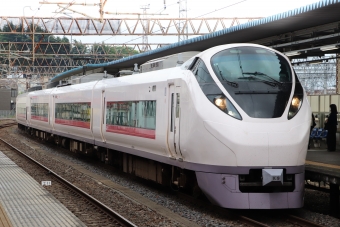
232, 121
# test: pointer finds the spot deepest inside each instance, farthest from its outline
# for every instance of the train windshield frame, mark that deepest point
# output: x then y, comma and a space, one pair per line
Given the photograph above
258, 79
250, 63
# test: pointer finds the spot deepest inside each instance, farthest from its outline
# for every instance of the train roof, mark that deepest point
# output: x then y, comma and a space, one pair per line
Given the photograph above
320, 13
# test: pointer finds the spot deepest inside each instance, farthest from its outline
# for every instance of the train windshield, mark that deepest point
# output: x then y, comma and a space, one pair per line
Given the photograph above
259, 80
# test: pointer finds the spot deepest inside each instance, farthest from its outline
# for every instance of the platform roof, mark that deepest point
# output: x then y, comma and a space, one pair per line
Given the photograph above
305, 28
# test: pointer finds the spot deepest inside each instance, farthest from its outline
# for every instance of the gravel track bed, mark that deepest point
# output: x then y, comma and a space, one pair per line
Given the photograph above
88, 214
136, 213
200, 215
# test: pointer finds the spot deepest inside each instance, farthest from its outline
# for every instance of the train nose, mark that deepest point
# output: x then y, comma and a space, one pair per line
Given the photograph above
250, 147
268, 145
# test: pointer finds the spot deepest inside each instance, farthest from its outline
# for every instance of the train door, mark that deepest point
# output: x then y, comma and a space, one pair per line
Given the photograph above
174, 121
54, 111
103, 117
28, 110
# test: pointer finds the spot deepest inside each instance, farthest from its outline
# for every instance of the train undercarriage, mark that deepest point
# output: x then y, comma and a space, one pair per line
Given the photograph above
160, 173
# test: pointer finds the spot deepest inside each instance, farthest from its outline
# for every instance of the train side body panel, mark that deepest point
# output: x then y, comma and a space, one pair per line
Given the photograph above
195, 109
21, 109
40, 109
74, 116
140, 88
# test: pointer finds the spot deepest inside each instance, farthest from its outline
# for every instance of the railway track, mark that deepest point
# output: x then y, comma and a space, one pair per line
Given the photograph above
246, 219
300, 221
8, 124
107, 216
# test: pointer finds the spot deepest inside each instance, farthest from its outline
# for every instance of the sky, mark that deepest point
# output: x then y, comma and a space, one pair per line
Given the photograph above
195, 8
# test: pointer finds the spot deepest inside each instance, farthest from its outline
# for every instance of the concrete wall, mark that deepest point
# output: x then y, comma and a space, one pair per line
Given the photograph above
5, 99
320, 106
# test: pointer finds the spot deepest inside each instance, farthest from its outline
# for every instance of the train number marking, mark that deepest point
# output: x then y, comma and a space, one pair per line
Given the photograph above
276, 178
46, 183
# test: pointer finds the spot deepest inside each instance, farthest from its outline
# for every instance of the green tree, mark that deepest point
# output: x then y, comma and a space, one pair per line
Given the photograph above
16, 37
118, 51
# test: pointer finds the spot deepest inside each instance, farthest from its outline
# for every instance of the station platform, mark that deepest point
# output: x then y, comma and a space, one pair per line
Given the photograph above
322, 165
322, 161
25, 203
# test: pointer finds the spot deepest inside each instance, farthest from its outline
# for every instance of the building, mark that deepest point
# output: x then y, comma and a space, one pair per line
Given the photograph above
7, 98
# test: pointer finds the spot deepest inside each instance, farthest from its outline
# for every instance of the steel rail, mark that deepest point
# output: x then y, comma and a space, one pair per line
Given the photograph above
247, 220
7, 125
301, 222
222, 211
102, 206
251, 222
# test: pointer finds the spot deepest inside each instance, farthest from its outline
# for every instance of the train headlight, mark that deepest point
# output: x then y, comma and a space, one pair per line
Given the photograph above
296, 102
221, 102
225, 105
297, 99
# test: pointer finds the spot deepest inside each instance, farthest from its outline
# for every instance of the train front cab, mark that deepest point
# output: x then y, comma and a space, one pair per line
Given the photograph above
261, 120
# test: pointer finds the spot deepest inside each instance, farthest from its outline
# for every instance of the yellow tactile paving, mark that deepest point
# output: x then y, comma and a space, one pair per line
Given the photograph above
322, 164
4, 220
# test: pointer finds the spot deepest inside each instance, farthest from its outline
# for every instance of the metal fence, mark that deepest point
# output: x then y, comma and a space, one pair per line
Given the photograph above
7, 114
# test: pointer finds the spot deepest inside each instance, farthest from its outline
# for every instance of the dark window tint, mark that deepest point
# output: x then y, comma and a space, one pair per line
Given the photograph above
201, 73
137, 114
39, 109
250, 63
259, 80
210, 88
73, 111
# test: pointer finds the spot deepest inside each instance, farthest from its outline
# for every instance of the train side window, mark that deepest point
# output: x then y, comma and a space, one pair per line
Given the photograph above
39, 109
21, 110
193, 63
137, 114
194, 66
201, 72
73, 111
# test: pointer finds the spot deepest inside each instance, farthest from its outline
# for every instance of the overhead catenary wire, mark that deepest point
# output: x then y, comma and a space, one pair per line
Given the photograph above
176, 24
194, 18
165, 6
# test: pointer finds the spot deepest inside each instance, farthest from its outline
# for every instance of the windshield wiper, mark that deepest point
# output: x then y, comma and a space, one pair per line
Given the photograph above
255, 92
231, 83
272, 80
273, 84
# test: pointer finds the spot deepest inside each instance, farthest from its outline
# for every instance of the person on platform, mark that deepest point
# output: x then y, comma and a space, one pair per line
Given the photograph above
331, 126
312, 125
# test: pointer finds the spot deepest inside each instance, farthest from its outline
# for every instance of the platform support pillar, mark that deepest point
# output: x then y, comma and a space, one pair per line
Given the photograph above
334, 199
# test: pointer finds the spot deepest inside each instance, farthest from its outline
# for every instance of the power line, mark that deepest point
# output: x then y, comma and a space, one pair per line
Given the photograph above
194, 18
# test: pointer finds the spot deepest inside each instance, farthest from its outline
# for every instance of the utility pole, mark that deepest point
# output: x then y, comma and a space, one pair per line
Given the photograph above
183, 28
101, 9
33, 44
145, 27
337, 74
